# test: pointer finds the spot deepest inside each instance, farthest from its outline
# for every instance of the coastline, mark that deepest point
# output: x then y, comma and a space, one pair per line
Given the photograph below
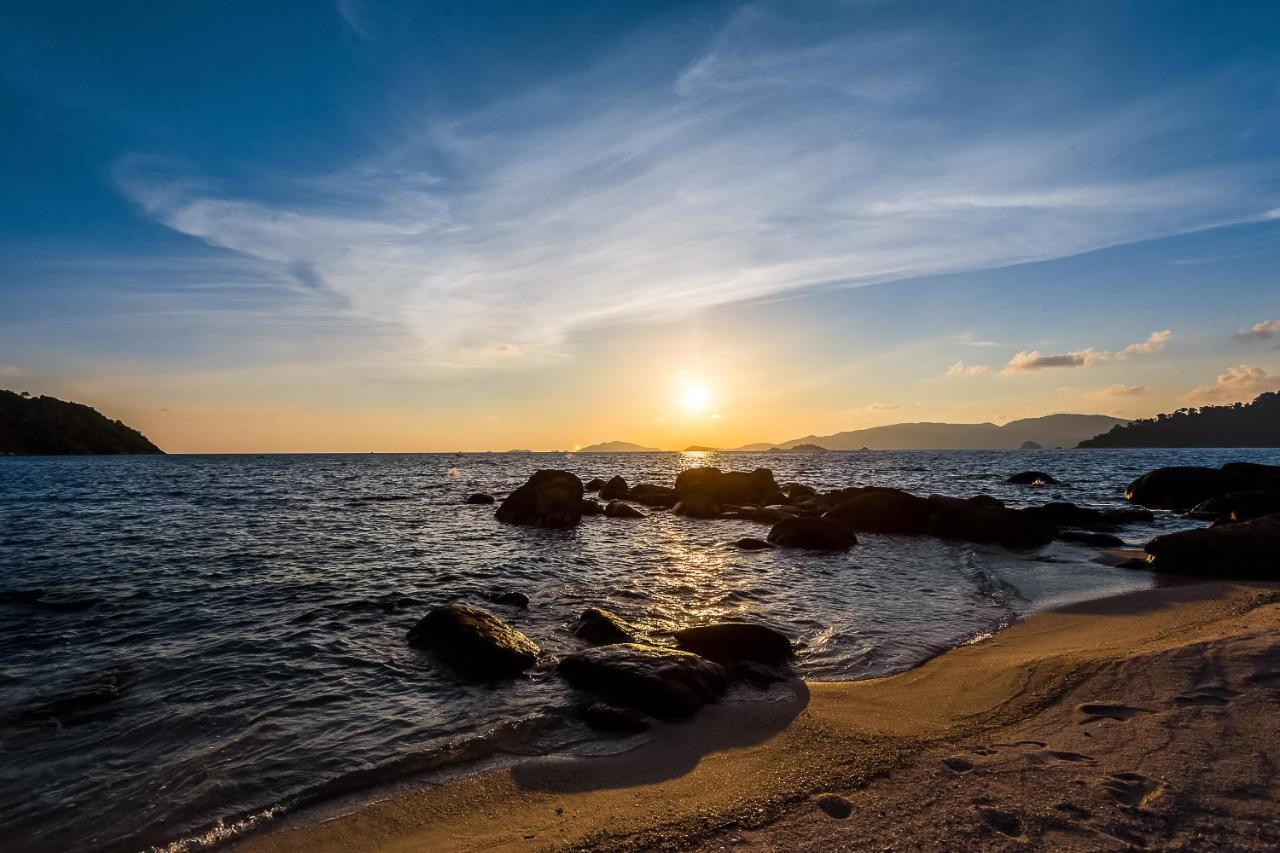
986, 744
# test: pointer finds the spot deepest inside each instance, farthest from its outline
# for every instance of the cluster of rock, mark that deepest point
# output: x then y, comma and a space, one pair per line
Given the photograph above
1242, 499
624, 674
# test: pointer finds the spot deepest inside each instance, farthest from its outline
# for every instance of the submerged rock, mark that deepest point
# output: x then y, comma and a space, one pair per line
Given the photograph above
614, 489
597, 625
618, 509
1238, 506
548, 499
1088, 537
1032, 478
509, 598
604, 717
479, 645
1182, 487
727, 643
664, 683
1246, 550
750, 543
480, 498
819, 534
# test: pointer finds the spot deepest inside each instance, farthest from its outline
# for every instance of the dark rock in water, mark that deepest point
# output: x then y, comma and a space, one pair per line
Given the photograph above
1128, 515
591, 506
733, 487
884, 511
958, 519
597, 625
1238, 506
1031, 445
654, 496
749, 543
726, 643
1032, 478
697, 506
606, 718
1246, 550
618, 509
1067, 514
798, 491
819, 534
509, 598
664, 683
769, 514
480, 498
1087, 537
987, 501
1184, 487
549, 499
479, 645
614, 489
594, 485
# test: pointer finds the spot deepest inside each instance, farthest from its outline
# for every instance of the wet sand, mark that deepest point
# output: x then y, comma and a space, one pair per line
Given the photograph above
1144, 720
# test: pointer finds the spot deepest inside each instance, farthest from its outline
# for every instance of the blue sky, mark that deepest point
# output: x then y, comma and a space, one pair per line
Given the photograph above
498, 224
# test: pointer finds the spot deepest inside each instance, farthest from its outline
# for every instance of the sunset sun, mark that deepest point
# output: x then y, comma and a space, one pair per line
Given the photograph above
695, 398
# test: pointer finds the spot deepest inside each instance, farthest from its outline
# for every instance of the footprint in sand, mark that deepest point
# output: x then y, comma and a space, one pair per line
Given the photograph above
1095, 711
1077, 812
1205, 697
1003, 822
1132, 789
957, 764
835, 806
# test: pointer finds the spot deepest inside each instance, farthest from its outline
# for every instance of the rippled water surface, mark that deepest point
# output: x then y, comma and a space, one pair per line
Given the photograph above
191, 639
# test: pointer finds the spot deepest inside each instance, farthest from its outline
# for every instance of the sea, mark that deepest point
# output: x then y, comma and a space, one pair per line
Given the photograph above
193, 647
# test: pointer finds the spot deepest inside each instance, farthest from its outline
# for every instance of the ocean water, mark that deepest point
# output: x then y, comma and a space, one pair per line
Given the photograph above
190, 644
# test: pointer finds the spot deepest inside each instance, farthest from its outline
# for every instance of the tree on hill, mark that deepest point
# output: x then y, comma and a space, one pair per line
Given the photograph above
1255, 424
45, 426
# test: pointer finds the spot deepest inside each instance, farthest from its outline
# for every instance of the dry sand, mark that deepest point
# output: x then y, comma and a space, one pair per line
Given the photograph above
1146, 720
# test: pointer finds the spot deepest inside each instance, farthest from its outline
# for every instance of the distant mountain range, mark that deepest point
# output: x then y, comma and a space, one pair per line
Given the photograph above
1047, 431
1255, 424
48, 426
618, 447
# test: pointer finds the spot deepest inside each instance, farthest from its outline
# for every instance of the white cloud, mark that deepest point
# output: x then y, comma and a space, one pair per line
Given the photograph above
1264, 331
960, 369
1023, 362
1235, 384
767, 165
1154, 343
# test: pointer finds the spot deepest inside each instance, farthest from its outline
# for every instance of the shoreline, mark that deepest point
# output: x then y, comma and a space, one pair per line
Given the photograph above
745, 773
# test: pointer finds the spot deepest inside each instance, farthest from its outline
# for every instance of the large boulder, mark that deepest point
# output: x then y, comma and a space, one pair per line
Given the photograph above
1183, 487
819, 534
733, 487
1067, 514
615, 489
618, 509
954, 518
654, 496
597, 625
697, 506
664, 683
1032, 478
479, 645
727, 643
549, 499
1248, 550
884, 511
1238, 506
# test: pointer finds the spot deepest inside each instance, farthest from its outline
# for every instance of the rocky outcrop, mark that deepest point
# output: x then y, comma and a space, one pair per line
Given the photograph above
49, 426
597, 625
654, 496
1182, 487
1032, 478
664, 683
734, 487
1238, 506
1246, 550
884, 511
480, 498
618, 509
614, 489
818, 534
548, 499
474, 642
727, 643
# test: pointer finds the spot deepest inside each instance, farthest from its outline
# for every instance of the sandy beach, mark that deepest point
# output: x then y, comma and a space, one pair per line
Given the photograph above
1143, 720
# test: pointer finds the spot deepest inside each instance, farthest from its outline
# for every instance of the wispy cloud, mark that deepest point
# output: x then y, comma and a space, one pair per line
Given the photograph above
1264, 331
960, 369
10, 371
781, 159
1023, 362
1235, 384
1120, 391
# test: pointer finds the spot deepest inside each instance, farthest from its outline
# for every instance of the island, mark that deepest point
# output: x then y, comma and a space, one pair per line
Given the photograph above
1255, 424
618, 447
46, 426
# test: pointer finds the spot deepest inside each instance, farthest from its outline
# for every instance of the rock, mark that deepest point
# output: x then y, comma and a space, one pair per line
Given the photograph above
1086, 537
1238, 506
1247, 550
614, 489
591, 506
595, 484
510, 598
733, 487
697, 506
664, 683
480, 498
961, 520
884, 511
1067, 514
479, 645
597, 625
1031, 445
726, 643
759, 674
1182, 488
821, 534
1032, 478
606, 718
617, 509
548, 499
987, 501
798, 491
654, 496
1128, 515
767, 515
749, 543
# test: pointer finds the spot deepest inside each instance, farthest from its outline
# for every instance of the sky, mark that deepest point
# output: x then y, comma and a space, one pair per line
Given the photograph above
367, 225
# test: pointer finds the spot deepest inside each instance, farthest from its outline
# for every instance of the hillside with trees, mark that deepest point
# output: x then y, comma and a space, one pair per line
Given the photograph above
1255, 424
48, 426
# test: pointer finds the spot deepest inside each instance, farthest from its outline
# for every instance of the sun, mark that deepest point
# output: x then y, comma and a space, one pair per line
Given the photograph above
695, 397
